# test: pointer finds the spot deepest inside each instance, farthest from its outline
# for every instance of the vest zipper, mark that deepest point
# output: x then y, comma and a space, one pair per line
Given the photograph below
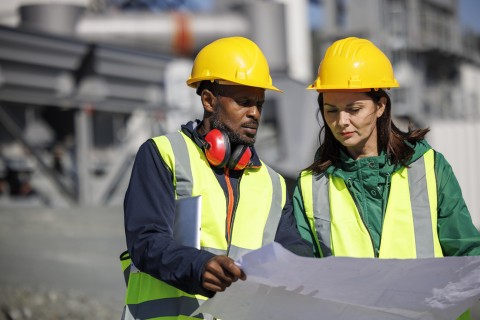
230, 207
357, 204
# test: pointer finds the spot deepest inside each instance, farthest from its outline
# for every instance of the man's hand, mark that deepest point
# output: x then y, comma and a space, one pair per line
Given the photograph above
220, 272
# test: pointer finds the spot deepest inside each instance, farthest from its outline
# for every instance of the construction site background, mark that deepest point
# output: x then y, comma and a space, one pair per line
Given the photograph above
84, 82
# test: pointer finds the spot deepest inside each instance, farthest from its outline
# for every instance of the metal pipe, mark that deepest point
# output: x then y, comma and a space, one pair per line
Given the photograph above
299, 44
170, 33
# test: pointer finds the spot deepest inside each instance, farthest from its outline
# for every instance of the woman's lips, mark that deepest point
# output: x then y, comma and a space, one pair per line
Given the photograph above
346, 133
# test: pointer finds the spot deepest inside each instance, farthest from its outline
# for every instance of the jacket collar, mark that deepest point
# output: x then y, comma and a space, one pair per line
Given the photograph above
347, 166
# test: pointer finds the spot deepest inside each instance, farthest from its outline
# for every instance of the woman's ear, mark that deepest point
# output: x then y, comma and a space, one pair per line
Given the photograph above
381, 106
208, 100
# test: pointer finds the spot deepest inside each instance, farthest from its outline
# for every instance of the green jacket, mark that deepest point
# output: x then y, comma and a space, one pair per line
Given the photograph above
368, 179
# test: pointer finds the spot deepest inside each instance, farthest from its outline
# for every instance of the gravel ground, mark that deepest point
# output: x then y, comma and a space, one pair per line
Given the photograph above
46, 304
61, 263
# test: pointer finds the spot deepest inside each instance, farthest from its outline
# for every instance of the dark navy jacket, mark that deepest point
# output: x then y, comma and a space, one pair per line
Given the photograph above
149, 208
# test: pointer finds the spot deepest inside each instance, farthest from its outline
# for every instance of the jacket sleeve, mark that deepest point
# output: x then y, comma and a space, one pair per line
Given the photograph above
288, 235
458, 235
149, 208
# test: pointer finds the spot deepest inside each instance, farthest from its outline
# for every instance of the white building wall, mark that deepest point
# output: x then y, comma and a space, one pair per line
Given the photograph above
459, 142
470, 82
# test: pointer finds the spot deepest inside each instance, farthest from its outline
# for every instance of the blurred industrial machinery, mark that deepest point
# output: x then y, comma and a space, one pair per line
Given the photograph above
84, 82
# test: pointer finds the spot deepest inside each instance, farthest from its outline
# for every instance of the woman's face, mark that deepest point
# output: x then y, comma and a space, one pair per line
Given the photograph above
352, 118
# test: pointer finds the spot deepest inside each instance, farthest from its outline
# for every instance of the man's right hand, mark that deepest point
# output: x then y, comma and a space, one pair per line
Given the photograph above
220, 272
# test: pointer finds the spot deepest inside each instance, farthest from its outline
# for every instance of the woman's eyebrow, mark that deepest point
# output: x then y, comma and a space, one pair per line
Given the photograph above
330, 105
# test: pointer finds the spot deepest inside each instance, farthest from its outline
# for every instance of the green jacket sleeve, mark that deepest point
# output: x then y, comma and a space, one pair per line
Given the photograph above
302, 220
457, 233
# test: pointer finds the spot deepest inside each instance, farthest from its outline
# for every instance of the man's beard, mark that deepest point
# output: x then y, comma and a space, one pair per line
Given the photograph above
234, 137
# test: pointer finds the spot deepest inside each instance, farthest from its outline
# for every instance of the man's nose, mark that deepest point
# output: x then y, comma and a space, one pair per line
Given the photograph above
254, 112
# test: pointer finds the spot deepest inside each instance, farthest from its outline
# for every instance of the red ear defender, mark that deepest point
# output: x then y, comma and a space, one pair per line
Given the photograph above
240, 158
217, 148
218, 153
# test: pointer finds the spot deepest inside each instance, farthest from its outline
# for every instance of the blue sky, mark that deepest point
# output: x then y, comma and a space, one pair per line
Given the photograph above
469, 11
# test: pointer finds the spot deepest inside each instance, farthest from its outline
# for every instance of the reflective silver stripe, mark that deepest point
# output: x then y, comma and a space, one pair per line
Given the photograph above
167, 307
183, 170
126, 315
422, 220
217, 252
321, 212
275, 213
236, 252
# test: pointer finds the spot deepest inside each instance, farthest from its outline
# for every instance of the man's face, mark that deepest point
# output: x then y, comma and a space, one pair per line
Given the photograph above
237, 111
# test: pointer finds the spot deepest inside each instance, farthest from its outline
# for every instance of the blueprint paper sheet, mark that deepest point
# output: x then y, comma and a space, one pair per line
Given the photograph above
281, 285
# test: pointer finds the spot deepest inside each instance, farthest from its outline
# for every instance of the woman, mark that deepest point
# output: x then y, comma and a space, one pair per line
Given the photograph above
374, 190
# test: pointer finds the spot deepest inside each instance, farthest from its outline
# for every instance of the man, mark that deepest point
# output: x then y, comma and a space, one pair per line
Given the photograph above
244, 202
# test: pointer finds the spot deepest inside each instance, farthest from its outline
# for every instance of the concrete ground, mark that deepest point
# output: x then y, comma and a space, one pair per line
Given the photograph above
71, 251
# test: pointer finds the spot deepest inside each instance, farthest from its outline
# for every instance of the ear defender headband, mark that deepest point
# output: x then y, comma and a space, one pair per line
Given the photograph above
217, 149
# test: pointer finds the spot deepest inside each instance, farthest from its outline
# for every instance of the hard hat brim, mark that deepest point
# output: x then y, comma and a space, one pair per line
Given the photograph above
193, 83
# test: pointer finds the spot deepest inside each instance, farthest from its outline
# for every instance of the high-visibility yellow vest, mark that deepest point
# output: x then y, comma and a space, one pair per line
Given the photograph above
410, 223
262, 198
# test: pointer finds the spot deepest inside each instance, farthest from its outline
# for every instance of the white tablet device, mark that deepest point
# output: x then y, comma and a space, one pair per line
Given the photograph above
188, 221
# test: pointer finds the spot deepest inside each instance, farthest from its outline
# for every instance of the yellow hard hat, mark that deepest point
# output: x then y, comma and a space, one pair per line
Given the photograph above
354, 64
233, 60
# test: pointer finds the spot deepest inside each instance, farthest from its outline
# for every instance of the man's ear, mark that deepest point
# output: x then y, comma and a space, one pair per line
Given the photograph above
208, 100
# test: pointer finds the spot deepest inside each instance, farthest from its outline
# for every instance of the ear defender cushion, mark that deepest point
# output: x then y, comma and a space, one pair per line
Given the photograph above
240, 158
217, 148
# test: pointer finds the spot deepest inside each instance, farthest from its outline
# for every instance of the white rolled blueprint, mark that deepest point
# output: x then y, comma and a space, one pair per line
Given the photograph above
281, 285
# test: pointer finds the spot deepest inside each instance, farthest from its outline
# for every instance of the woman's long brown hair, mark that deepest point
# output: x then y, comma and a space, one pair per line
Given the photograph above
390, 138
